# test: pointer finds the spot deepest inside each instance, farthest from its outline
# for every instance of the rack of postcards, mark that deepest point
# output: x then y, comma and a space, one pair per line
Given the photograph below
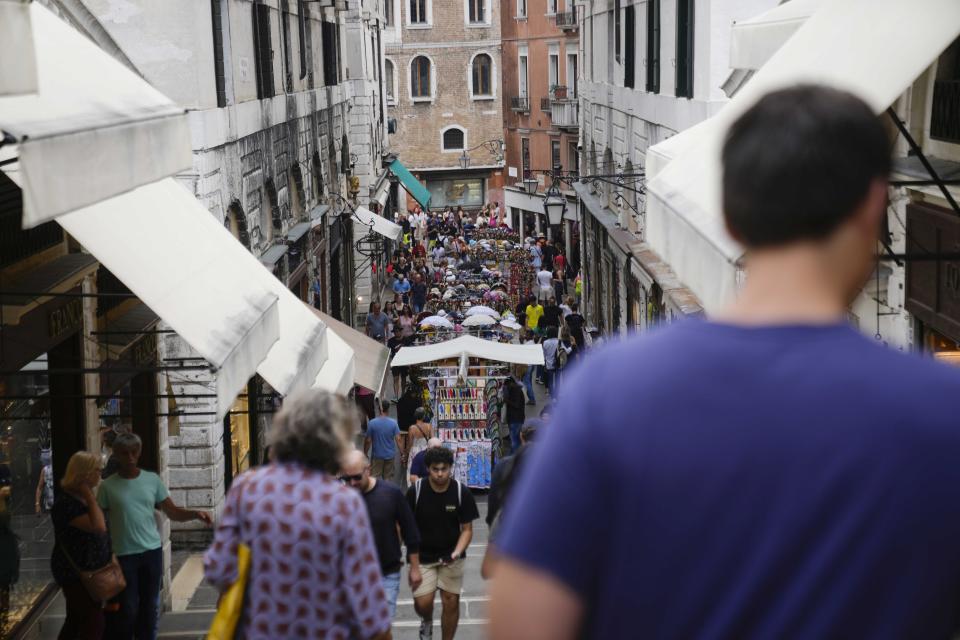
467, 414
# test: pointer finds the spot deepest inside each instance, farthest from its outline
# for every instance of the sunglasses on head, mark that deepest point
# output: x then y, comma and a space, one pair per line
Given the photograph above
355, 478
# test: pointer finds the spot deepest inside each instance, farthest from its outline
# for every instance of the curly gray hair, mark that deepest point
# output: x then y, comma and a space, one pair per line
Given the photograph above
313, 429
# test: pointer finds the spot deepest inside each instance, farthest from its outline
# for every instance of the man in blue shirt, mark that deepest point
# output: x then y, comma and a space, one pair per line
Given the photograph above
383, 434
771, 472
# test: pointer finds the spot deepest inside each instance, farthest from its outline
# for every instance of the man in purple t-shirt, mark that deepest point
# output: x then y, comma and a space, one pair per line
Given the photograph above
771, 472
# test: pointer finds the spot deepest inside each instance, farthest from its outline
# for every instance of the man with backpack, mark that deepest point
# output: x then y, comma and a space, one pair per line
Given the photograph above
444, 510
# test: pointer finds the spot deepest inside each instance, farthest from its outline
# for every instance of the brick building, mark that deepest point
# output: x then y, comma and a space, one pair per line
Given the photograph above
442, 81
541, 123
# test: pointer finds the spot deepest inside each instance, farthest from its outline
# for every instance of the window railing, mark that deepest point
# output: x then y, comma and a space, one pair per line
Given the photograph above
567, 19
545, 104
520, 104
560, 93
945, 113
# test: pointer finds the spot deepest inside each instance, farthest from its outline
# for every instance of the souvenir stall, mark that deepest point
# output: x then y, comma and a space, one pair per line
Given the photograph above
463, 378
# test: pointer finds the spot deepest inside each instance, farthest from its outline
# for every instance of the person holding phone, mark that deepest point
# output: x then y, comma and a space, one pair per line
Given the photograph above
444, 510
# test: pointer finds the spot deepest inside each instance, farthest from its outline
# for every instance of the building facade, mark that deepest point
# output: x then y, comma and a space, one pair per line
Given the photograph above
540, 107
443, 85
287, 120
649, 69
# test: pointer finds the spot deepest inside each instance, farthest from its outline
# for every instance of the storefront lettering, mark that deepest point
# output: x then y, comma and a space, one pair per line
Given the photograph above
65, 319
145, 350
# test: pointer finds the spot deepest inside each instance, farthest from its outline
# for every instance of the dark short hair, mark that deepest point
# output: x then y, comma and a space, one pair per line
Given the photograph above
437, 455
798, 163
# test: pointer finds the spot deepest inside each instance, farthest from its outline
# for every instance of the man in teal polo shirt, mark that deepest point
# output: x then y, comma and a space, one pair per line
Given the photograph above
129, 498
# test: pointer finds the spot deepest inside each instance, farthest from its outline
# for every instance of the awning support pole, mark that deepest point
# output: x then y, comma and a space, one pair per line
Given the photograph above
915, 148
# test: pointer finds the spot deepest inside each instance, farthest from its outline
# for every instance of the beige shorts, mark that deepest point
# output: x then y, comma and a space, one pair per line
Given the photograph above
447, 578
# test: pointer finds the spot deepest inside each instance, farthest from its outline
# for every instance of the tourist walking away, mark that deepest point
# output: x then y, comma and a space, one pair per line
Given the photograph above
544, 284
129, 497
445, 511
502, 481
553, 351
418, 468
515, 402
81, 543
417, 435
822, 463
383, 437
313, 570
390, 517
527, 337
575, 323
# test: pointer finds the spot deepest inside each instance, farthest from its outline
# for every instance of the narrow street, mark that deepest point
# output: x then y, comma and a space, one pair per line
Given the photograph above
193, 620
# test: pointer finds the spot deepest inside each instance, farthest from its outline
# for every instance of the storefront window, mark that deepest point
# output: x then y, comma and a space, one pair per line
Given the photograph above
941, 347
454, 192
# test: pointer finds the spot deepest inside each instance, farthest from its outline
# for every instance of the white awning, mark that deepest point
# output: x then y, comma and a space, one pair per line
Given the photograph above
754, 41
370, 357
379, 224
338, 372
18, 73
93, 129
470, 346
185, 266
876, 58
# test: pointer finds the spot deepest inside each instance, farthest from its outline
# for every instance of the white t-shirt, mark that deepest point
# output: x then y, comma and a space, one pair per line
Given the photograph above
545, 279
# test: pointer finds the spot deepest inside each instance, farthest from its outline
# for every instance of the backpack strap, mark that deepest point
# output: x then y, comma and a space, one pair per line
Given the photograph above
459, 491
416, 494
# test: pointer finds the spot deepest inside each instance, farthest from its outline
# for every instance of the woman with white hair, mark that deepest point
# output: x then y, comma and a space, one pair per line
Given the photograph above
314, 570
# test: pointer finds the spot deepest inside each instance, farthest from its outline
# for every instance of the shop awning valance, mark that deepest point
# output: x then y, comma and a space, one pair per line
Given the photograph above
91, 129
413, 186
876, 58
472, 347
754, 41
338, 373
185, 266
379, 224
18, 74
370, 357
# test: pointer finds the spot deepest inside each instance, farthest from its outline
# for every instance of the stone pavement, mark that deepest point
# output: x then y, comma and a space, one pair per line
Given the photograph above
192, 621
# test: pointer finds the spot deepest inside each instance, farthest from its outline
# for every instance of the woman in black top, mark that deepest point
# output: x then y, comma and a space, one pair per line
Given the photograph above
80, 531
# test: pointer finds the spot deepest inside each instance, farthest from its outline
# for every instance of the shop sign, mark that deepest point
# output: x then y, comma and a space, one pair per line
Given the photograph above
65, 319
144, 350
933, 286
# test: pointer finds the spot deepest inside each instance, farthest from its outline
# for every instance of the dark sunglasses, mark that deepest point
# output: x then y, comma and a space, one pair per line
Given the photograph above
356, 478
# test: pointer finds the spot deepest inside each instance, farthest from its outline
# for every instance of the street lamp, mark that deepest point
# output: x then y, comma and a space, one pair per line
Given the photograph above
464, 160
530, 185
494, 147
554, 204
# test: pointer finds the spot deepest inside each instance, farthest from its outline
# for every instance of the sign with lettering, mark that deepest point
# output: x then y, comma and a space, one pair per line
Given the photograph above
933, 286
65, 319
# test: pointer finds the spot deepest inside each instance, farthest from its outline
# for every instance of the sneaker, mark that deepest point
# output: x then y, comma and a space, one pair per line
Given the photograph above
426, 630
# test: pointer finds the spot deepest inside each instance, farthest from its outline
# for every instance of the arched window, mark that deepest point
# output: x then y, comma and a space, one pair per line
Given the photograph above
453, 139
420, 77
482, 70
388, 79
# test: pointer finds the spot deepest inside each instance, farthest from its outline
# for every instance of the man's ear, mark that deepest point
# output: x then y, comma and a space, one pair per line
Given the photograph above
871, 210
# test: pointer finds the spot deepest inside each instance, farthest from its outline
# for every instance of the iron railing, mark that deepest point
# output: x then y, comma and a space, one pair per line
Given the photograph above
567, 19
945, 114
520, 103
545, 104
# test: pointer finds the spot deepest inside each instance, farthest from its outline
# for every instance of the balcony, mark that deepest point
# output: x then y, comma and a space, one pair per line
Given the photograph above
565, 114
520, 104
945, 113
545, 104
568, 20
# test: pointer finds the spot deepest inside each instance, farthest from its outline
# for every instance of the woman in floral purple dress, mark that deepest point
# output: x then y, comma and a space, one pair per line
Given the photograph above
314, 571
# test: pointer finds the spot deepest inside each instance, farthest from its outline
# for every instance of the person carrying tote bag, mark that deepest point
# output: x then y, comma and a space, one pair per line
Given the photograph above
83, 563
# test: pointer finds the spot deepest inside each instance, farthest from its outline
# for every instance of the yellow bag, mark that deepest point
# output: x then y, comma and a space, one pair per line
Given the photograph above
224, 624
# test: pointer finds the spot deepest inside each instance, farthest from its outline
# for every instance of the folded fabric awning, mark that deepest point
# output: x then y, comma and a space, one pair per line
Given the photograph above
337, 374
185, 266
370, 357
754, 41
472, 347
18, 74
836, 47
379, 224
92, 129
413, 186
